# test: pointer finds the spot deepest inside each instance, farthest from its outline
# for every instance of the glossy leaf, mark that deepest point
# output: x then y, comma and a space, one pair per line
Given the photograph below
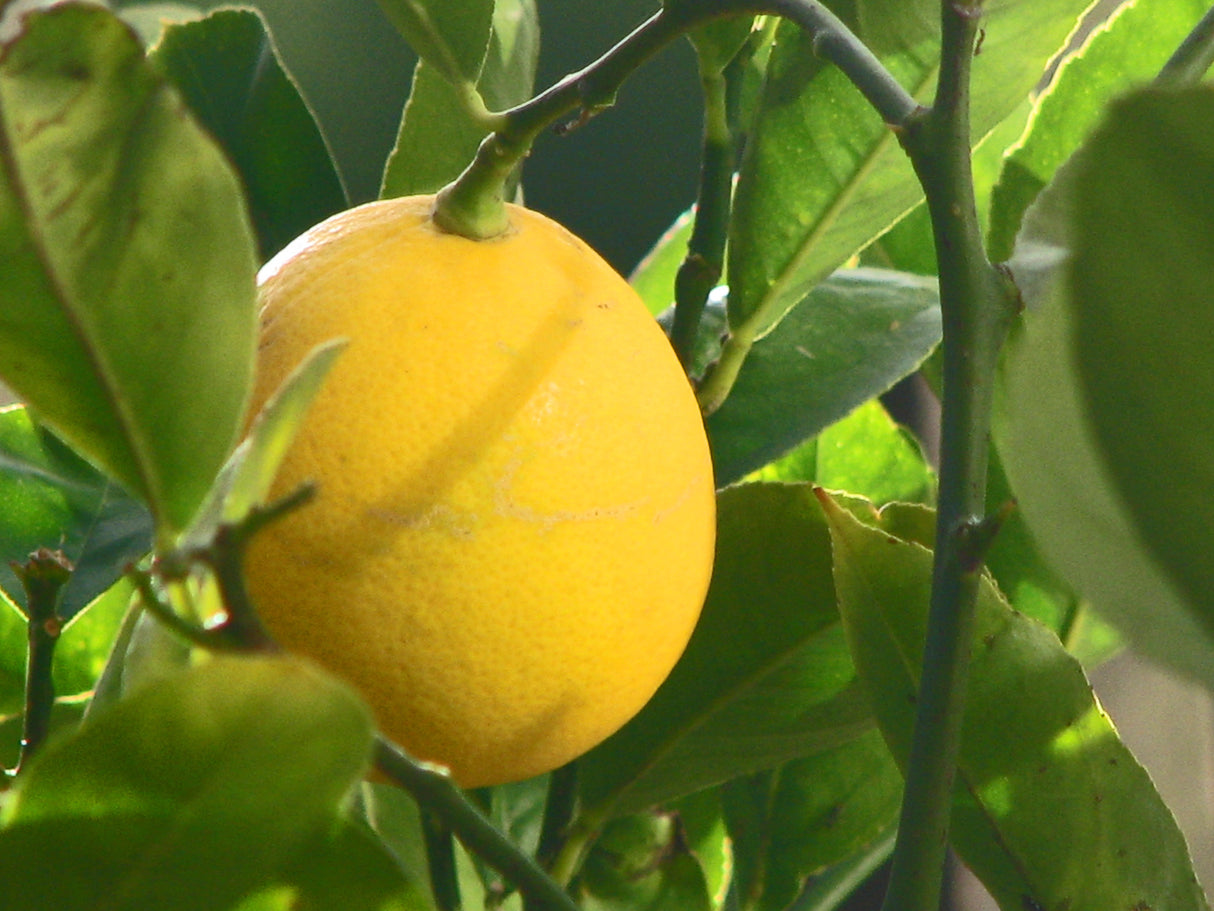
439, 132
1051, 809
1125, 51
1141, 308
229, 73
808, 815
866, 453
451, 37
50, 497
766, 677
128, 300
1066, 492
142, 804
823, 176
854, 336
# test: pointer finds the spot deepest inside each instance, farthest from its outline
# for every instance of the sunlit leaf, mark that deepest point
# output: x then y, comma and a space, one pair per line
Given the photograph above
246, 479
823, 176
145, 803
866, 453
128, 317
1051, 809
1126, 50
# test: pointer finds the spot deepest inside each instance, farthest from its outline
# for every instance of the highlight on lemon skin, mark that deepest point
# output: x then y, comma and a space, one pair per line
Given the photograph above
515, 523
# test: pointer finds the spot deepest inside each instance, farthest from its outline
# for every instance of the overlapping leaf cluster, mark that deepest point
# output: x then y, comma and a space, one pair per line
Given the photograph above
138, 192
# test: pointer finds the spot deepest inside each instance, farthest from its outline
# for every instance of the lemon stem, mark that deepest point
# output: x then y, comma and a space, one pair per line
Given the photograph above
473, 205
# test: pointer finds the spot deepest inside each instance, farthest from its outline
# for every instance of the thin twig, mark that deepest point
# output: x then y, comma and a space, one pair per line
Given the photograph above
43, 576
434, 790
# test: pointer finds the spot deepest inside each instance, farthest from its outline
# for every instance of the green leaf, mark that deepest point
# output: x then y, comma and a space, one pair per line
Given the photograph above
1051, 810
746, 695
128, 321
394, 817
856, 334
1141, 303
248, 475
653, 278
823, 176
639, 863
807, 815
85, 644
229, 73
1066, 491
151, 19
186, 795
66, 714
50, 497
439, 132
451, 37
909, 246
718, 42
349, 869
1127, 50
866, 453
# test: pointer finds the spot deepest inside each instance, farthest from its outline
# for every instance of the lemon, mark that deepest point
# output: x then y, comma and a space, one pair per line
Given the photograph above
515, 520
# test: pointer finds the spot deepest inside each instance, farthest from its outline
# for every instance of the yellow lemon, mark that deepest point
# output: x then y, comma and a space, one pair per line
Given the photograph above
515, 520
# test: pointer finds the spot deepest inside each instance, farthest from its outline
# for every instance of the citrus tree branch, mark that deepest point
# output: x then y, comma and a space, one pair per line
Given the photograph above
434, 790
701, 269
473, 205
977, 304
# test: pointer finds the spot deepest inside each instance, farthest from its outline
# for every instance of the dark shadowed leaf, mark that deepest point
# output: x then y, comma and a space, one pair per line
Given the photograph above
807, 815
226, 68
853, 337
50, 497
766, 677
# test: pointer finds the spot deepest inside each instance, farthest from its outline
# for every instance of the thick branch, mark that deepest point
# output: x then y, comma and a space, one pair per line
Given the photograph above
977, 304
